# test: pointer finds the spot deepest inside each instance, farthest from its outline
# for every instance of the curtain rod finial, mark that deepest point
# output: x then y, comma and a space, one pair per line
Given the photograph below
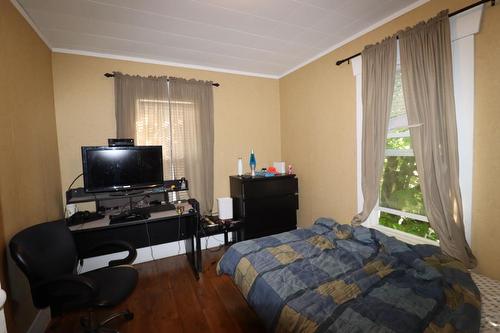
109, 75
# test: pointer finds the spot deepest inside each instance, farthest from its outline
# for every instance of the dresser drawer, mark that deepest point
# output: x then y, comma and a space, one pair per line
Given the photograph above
270, 187
265, 206
263, 227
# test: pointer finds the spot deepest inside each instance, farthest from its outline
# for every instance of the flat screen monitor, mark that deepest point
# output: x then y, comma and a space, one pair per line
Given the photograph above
121, 168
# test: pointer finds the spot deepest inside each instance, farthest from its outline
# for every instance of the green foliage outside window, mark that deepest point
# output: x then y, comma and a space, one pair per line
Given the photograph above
400, 187
414, 227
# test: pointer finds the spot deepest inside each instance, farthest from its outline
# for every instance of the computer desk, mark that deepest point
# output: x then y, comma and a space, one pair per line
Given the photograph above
161, 227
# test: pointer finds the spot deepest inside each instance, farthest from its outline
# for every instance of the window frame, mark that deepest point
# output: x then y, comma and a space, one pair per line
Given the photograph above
463, 28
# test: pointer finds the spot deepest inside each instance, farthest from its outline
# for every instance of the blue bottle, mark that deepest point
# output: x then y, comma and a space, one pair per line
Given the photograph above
253, 163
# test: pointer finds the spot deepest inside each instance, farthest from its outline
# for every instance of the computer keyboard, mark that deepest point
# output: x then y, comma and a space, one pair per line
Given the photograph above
157, 208
127, 217
83, 217
142, 213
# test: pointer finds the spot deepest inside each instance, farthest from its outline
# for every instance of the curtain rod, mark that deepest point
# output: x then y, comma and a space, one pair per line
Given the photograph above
340, 62
113, 75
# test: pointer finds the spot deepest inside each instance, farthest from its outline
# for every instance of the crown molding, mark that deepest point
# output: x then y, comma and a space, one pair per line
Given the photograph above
28, 19
357, 35
161, 62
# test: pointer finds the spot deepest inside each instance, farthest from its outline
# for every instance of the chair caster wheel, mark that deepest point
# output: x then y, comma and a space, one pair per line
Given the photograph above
129, 315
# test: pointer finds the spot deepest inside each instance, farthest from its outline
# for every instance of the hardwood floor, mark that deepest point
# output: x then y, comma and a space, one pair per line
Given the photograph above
168, 298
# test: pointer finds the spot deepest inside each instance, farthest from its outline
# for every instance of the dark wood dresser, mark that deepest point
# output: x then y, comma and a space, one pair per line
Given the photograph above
267, 205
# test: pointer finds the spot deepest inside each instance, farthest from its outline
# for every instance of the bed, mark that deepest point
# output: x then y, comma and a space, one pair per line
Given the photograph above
336, 278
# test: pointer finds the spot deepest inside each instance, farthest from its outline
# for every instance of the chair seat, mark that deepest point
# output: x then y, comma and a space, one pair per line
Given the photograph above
115, 284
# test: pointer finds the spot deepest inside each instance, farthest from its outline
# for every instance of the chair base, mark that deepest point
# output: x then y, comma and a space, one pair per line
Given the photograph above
90, 327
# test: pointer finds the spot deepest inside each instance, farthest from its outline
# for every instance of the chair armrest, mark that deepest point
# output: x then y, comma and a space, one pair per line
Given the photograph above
114, 244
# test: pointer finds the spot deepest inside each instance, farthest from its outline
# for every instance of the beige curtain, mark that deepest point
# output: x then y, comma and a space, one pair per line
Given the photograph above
142, 113
426, 68
178, 115
379, 69
192, 119
129, 90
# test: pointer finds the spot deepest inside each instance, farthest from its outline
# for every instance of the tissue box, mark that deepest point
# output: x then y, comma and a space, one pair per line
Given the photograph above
280, 167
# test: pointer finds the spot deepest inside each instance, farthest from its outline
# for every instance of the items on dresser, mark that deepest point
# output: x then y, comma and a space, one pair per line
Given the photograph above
253, 163
267, 205
280, 167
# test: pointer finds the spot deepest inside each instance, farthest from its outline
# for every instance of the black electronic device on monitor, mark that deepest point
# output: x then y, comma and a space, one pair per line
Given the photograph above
120, 142
122, 168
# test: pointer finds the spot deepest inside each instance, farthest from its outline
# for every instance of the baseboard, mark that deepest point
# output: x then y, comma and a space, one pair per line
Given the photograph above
155, 252
41, 321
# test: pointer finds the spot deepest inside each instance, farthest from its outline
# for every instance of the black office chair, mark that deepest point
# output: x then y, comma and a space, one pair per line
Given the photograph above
47, 255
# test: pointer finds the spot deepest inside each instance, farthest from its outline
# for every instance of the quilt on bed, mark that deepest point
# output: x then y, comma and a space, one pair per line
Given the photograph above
336, 278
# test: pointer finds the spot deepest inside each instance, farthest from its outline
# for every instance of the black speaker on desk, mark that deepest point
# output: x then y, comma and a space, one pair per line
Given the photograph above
120, 142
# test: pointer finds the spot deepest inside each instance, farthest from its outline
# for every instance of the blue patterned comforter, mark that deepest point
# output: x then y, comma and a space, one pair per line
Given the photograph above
335, 278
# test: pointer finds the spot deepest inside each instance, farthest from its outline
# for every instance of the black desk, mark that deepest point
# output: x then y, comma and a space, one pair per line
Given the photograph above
161, 227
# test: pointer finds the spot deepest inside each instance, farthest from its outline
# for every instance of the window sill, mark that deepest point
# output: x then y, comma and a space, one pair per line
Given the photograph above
403, 236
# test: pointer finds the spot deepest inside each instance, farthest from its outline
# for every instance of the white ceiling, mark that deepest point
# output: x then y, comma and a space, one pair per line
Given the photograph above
258, 37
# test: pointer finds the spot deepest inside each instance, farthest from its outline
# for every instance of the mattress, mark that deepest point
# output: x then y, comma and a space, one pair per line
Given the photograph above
336, 278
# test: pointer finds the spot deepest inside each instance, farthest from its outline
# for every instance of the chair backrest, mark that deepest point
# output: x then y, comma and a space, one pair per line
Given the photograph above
44, 251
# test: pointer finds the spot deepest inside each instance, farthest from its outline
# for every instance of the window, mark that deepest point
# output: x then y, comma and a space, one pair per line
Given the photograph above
160, 122
463, 29
401, 202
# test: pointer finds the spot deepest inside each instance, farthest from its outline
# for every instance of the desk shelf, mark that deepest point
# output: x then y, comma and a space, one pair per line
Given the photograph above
78, 195
235, 227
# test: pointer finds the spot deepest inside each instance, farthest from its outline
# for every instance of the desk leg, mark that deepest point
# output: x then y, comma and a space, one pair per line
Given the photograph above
226, 240
192, 253
199, 264
240, 235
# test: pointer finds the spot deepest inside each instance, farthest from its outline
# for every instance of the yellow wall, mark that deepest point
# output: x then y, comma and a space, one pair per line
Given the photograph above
486, 187
29, 165
247, 112
319, 136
